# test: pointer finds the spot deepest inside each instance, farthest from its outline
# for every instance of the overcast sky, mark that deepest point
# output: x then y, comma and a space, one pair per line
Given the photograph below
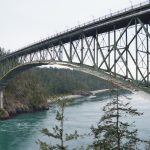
25, 21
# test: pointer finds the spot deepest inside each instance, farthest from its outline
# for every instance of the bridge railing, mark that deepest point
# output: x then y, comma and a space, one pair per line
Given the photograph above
90, 22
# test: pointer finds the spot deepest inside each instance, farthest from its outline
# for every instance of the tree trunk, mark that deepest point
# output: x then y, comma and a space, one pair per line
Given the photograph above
62, 126
118, 135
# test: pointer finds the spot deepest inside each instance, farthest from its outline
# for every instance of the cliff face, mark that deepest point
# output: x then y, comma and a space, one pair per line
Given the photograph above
24, 94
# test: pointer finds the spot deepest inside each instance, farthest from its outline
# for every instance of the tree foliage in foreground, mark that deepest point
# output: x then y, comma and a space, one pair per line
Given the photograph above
112, 132
58, 132
147, 147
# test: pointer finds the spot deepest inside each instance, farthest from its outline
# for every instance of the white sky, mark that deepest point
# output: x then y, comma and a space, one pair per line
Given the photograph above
25, 21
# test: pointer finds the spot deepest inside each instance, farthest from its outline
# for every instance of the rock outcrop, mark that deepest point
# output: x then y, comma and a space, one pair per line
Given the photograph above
13, 108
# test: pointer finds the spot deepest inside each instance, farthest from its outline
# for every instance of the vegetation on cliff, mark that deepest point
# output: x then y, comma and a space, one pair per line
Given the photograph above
30, 90
66, 81
25, 94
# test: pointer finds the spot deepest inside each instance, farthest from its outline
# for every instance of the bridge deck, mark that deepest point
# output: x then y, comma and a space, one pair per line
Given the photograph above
105, 25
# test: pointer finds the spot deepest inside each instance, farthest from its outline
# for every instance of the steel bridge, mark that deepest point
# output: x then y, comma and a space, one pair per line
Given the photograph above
118, 44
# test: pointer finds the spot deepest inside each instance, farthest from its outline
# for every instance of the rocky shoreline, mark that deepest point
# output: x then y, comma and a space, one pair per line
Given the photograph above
16, 108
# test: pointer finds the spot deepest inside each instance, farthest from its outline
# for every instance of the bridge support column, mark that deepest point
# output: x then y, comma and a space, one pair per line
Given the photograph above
1, 99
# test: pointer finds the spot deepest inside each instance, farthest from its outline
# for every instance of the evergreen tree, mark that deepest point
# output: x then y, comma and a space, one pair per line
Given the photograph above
58, 132
147, 147
2, 51
112, 132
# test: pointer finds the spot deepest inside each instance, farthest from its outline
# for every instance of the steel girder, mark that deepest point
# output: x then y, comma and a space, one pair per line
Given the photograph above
121, 52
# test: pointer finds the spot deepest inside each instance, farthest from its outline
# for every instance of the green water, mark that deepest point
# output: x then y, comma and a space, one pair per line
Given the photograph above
22, 132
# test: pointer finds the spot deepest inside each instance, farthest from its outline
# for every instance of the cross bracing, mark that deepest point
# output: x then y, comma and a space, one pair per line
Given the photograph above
118, 44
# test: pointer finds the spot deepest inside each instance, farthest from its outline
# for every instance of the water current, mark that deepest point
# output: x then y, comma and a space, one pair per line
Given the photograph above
22, 131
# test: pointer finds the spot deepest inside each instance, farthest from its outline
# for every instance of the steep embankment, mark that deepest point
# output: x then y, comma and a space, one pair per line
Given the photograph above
30, 90
24, 94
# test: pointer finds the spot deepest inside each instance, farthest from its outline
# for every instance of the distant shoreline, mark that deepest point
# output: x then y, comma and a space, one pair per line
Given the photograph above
71, 96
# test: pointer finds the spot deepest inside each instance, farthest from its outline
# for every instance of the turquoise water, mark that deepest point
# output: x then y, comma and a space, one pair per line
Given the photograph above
22, 132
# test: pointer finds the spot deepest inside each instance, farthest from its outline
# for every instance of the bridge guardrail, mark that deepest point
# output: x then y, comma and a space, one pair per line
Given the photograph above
89, 22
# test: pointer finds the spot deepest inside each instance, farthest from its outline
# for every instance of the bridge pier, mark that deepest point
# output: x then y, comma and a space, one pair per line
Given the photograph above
1, 99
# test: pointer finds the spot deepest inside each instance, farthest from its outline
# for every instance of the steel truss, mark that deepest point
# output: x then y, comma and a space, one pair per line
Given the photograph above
121, 52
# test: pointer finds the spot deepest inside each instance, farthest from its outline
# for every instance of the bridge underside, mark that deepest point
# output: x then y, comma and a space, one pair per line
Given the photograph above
79, 67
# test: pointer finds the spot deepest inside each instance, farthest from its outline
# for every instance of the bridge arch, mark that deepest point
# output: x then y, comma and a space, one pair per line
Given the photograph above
24, 67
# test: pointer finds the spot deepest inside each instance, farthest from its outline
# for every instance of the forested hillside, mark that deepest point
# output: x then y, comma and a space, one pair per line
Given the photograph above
30, 90
24, 94
63, 81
